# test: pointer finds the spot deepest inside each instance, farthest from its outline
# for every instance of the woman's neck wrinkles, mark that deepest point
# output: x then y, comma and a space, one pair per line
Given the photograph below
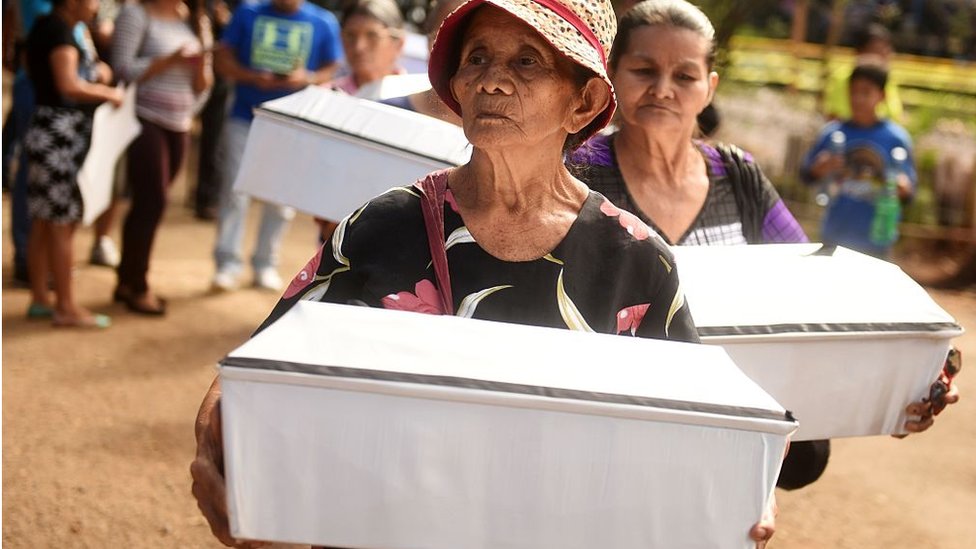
653, 159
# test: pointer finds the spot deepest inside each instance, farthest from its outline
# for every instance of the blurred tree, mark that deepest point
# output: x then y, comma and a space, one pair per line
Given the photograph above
728, 16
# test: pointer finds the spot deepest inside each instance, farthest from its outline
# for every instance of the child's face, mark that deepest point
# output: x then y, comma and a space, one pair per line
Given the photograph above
865, 96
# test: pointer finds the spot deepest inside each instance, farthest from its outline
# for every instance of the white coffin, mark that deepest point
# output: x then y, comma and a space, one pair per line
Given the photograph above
844, 341
357, 427
395, 85
326, 153
413, 58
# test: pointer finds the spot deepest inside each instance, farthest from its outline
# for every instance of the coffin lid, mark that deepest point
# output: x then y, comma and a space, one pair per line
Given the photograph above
798, 289
412, 354
376, 123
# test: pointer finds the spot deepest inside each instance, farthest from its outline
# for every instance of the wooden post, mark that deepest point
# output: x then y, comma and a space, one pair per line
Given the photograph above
798, 36
833, 36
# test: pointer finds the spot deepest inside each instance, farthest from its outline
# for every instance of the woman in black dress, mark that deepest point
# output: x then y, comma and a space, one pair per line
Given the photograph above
525, 241
57, 142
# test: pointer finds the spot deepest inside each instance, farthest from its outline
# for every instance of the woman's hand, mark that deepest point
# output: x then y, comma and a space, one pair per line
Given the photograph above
942, 393
103, 73
207, 470
766, 527
184, 56
923, 411
763, 530
116, 96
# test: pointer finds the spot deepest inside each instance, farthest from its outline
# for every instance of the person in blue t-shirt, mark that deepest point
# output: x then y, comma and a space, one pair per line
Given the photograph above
269, 49
857, 177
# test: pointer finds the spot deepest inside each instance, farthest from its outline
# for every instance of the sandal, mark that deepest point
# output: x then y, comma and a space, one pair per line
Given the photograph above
133, 304
36, 311
95, 321
123, 295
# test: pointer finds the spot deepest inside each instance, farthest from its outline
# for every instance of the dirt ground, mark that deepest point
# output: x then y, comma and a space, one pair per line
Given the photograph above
98, 425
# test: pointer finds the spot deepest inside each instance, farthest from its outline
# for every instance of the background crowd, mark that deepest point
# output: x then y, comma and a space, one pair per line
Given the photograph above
214, 61
218, 62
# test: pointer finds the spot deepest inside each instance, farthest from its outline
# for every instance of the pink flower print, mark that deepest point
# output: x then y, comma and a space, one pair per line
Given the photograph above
427, 300
609, 209
630, 222
629, 318
304, 276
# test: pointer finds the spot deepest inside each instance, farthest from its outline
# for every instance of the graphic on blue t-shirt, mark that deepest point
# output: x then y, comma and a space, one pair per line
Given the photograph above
864, 173
271, 41
280, 45
868, 160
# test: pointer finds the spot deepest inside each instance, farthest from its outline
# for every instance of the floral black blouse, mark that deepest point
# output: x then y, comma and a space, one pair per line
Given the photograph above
610, 274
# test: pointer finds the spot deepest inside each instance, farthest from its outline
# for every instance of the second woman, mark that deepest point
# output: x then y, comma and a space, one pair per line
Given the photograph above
164, 47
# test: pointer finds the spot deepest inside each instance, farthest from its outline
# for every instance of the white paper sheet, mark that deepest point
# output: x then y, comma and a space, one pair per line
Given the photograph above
112, 131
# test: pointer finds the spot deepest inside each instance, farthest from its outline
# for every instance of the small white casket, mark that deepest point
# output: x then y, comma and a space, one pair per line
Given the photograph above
356, 427
844, 341
326, 153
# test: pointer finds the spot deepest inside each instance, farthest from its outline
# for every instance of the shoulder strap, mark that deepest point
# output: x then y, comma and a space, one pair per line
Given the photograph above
746, 182
434, 188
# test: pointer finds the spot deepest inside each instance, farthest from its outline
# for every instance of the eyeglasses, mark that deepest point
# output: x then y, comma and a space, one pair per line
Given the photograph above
370, 37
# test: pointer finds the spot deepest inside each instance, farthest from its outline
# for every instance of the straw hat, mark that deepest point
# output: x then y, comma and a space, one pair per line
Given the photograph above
581, 30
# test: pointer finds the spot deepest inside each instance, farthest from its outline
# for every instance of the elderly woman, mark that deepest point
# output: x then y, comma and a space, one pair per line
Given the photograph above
428, 102
372, 39
653, 165
526, 242
691, 192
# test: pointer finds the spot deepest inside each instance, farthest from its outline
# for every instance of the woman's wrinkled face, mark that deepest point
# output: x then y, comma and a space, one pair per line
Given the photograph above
370, 47
662, 80
513, 87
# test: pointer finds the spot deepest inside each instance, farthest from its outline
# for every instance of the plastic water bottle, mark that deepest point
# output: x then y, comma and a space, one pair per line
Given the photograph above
887, 208
828, 187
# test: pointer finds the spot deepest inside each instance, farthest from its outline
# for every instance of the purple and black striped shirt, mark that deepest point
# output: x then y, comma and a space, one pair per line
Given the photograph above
719, 223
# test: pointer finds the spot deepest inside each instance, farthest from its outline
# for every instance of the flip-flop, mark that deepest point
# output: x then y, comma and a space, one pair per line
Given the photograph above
36, 311
95, 321
132, 303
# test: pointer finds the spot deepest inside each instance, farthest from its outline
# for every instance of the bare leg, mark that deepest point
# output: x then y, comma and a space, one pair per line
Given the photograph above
61, 257
103, 224
67, 312
38, 266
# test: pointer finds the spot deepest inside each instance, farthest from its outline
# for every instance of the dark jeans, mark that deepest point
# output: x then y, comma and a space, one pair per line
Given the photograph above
13, 135
212, 119
154, 159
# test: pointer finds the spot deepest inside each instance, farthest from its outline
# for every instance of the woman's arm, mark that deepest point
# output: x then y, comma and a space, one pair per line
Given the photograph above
207, 470
779, 225
64, 66
130, 32
203, 73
